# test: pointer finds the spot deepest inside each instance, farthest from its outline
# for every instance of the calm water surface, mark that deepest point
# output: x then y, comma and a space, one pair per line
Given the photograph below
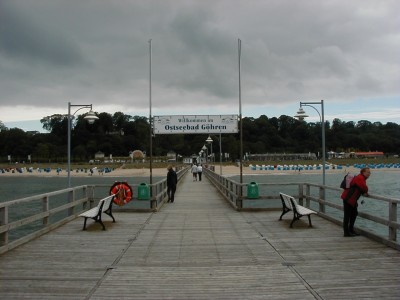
12, 188
383, 183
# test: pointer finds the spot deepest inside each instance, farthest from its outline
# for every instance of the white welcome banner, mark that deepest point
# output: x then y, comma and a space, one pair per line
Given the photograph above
195, 124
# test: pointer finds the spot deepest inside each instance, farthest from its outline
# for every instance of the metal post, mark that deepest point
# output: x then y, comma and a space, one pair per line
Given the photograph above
90, 117
205, 150
322, 120
212, 157
323, 142
240, 115
220, 154
150, 118
69, 145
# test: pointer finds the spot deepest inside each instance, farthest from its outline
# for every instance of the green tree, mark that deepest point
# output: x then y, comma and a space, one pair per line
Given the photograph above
104, 124
120, 120
2, 126
57, 124
260, 135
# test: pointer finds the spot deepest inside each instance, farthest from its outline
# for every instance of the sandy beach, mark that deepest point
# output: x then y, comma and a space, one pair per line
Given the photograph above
226, 170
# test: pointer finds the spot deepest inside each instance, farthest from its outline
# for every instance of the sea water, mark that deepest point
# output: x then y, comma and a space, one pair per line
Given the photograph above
382, 183
14, 187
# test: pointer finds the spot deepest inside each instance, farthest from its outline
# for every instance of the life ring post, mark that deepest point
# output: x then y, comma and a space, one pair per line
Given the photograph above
122, 191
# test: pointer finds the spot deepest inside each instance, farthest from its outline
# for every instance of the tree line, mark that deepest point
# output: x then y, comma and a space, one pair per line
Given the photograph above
119, 134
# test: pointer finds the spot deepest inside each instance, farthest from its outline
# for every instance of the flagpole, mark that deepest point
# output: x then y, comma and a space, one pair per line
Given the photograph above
150, 116
240, 114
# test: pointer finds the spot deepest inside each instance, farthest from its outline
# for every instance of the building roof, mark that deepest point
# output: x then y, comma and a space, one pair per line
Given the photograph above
369, 153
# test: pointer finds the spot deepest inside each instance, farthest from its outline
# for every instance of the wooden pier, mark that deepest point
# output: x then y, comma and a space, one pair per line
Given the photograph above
200, 248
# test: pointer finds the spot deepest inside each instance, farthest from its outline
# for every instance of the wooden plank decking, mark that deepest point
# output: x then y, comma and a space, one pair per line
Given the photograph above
200, 248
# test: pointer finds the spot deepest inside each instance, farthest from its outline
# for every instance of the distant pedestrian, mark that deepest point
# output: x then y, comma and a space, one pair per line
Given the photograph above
350, 196
194, 172
172, 181
199, 171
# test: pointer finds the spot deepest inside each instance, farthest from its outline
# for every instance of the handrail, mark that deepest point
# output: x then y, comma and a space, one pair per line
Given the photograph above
329, 207
36, 214
25, 219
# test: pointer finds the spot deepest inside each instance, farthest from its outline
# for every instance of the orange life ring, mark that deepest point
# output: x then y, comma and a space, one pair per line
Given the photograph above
122, 191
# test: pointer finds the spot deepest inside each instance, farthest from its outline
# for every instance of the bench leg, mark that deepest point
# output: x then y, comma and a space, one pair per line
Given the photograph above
309, 220
295, 218
291, 224
101, 222
109, 212
84, 224
97, 219
284, 211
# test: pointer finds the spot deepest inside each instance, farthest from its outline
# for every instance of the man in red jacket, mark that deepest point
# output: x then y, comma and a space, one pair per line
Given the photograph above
358, 187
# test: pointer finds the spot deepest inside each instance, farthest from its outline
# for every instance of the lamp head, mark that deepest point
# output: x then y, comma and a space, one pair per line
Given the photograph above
91, 117
209, 140
301, 114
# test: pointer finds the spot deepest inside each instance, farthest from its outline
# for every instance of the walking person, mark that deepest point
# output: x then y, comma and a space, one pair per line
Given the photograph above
194, 171
199, 171
350, 196
172, 181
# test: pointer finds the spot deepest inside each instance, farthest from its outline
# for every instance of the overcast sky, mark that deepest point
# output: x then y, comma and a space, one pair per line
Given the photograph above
95, 51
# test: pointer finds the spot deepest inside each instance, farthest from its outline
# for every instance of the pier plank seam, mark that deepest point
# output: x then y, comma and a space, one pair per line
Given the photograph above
289, 203
104, 206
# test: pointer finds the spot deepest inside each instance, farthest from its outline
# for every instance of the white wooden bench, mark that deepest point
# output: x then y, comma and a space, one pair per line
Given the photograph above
289, 203
104, 206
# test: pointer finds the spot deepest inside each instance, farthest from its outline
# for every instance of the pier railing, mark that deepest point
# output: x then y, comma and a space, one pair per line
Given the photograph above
25, 219
377, 218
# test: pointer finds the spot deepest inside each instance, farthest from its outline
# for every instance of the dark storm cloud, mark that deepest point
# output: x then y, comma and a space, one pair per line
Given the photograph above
55, 51
22, 38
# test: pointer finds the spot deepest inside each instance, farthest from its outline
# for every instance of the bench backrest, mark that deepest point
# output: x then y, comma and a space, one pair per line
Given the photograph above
107, 202
294, 203
104, 203
100, 204
286, 200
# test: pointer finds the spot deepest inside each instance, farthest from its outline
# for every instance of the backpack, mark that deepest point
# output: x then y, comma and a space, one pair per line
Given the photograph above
345, 184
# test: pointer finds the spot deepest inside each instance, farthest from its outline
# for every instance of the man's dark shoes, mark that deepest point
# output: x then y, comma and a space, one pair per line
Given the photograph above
350, 234
353, 233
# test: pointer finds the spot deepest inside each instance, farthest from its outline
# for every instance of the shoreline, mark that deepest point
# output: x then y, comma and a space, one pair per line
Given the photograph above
227, 171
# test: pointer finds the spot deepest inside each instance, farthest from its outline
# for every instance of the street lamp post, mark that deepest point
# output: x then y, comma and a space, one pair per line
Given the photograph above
90, 117
301, 115
240, 114
150, 112
205, 150
210, 141
220, 154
